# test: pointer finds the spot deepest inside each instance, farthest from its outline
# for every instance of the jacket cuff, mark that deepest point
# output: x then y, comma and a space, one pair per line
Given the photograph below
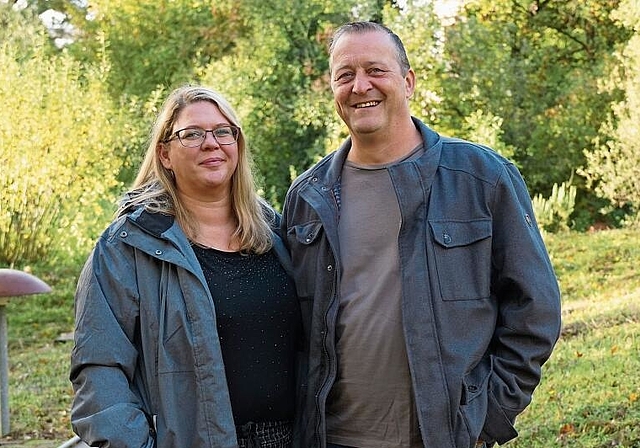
498, 426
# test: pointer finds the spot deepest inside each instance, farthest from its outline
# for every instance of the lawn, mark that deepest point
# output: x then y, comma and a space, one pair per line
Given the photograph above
589, 396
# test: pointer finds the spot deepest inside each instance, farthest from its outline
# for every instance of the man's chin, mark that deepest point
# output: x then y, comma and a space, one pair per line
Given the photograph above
364, 127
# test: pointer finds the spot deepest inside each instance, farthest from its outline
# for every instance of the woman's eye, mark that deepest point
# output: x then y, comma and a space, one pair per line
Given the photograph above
190, 134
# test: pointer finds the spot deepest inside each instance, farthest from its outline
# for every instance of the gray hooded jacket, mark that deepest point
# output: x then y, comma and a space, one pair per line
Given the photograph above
147, 366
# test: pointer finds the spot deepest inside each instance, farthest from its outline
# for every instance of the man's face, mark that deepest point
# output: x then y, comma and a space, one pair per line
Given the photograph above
370, 92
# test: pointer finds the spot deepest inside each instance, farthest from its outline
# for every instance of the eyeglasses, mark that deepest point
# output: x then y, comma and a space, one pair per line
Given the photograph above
194, 137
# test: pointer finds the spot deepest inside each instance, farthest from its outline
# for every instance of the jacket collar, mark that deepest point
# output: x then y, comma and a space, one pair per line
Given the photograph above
431, 139
161, 227
154, 223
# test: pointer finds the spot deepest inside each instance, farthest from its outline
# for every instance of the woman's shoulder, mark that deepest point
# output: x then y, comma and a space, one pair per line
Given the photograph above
271, 215
139, 224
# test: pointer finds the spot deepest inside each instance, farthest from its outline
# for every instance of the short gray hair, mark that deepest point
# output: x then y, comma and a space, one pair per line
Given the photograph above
365, 27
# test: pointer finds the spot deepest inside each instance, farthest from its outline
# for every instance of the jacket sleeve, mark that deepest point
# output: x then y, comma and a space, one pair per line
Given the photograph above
528, 297
107, 409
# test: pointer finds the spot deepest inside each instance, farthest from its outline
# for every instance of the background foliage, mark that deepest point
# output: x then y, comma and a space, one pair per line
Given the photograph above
552, 85
612, 168
58, 149
539, 67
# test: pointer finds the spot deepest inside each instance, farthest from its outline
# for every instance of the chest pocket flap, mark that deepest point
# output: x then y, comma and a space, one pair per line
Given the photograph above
460, 233
307, 233
463, 258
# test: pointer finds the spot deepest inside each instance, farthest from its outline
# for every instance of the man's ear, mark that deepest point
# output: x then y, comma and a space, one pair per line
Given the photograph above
410, 83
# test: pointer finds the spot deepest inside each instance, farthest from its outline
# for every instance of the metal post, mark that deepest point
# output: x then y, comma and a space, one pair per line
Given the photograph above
13, 283
4, 371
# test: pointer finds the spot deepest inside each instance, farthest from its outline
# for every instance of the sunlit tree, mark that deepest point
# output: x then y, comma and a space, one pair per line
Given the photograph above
58, 146
614, 167
537, 66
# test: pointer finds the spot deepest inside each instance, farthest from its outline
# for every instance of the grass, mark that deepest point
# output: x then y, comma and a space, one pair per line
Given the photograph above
39, 390
589, 396
590, 392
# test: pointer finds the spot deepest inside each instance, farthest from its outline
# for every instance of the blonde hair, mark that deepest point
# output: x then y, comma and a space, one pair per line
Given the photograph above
154, 187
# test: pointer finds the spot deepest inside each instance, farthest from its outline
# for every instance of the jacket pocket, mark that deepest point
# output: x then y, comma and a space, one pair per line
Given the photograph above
308, 257
307, 233
473, 404
463, 258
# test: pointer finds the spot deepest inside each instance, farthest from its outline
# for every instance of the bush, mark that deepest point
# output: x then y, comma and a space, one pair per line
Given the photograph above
58, 131
554, 212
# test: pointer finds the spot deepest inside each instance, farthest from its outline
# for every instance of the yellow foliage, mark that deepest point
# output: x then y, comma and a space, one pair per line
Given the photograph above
57, 137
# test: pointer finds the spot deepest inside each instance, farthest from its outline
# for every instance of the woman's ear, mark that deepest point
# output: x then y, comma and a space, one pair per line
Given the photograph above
163, 154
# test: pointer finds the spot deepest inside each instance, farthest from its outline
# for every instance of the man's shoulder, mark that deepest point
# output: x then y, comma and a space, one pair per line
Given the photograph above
320, 168
457, 147
474, 158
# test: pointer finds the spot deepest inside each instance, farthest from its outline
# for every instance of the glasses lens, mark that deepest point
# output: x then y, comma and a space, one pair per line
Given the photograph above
191, 137
226, 135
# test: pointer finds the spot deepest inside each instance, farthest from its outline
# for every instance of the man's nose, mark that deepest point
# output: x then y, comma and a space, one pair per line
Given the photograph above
361, 83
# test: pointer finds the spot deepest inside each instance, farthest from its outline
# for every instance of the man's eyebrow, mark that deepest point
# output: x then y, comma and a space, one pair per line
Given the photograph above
347, 65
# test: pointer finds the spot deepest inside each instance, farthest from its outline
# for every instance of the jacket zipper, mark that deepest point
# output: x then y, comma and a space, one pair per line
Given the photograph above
323, 392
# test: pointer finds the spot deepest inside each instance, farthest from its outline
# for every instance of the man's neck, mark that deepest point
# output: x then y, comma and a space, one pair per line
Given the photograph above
382, 148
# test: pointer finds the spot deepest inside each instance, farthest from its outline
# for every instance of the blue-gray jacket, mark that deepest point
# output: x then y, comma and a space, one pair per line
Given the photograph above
480, 300
147, 367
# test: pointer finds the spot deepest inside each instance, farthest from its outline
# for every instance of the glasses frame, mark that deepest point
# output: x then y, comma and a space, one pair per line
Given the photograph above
235, 131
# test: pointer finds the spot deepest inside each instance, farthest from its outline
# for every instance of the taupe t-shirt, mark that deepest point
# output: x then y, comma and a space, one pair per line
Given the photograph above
371, 403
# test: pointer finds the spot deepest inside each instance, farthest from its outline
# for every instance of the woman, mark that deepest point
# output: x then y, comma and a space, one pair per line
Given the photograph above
187, 324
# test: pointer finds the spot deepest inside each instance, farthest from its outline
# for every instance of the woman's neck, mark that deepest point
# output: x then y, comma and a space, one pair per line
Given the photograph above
215, 222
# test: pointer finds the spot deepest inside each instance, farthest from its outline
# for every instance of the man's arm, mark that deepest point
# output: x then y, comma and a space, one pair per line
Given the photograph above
529, 317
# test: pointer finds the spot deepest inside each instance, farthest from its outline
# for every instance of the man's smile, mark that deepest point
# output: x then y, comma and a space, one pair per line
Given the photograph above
367, 104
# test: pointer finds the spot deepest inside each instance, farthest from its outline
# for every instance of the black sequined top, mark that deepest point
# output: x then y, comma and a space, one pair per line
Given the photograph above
258, 319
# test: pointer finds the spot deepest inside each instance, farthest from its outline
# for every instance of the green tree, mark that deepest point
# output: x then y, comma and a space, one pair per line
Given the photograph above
537, 66
614, 167
22, 30
153, 44
421, 31
277, 76
58, 147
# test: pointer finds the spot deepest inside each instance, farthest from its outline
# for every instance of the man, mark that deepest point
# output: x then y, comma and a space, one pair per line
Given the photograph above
432, 298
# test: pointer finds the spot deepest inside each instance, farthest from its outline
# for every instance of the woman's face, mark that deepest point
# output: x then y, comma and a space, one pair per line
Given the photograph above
204, 171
